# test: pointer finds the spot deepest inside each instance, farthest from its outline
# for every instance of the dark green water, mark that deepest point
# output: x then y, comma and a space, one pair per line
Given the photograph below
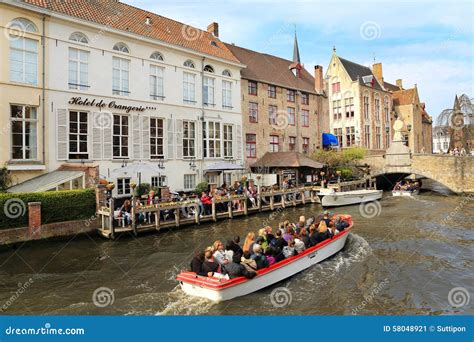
403, 261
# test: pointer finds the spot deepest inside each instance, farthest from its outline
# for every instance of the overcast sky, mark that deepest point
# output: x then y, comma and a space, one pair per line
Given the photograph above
430, 43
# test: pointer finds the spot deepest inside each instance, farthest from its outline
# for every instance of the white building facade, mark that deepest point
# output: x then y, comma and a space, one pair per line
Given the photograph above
441, 139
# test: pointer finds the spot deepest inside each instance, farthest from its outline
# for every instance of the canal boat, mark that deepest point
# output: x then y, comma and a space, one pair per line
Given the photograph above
219, 290
332, 198
397, 193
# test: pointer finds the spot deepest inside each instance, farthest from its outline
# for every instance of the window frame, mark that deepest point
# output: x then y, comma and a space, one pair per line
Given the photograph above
121, 188
272, 114
227, 138
79, 85
24, 51
274, 141
253, 88
272, 91
73, 155
189, 139
290, 95
189, 88
253, 112
292, 143
251, 145
157, 138
214, 128
208, 88
191, 180
291, 112
157, 82
226, 94
305, 118
121, 90
23, 121
121, 135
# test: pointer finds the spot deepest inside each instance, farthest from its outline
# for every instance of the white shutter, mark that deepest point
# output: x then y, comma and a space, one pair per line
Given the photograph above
146, 137
169, 128
136, 137
238, 141
61, 134
199, 154
96, 136
107, 134
179, 139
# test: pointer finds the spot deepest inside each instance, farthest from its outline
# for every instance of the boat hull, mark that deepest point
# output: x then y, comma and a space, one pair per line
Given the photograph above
265, 277
397, 193
338, 199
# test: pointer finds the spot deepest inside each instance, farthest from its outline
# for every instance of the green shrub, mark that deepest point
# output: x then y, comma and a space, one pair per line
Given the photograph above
346, 172
56, 206
143, 189
201, 187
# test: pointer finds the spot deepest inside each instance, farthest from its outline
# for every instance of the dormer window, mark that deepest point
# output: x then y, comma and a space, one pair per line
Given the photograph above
226, 73
209, 68
157, 56
79, 38
121, 47
147, 21
189, 64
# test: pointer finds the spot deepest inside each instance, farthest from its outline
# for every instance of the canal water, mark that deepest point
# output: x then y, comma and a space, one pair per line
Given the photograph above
403, 261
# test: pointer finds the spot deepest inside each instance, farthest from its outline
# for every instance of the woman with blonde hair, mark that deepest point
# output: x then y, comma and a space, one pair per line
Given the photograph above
323, 232
249, 240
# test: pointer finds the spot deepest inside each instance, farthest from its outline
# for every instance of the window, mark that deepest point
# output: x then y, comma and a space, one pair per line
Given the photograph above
121, 47
445, 145
366, 106
251, 145
123, 186
338, 134
78, 125
189, 139
349, 104
336, 109
209, 68
305, 98
386, 110
120, 136
156, 138
120, 76
305, 145
367, 136
226, 73
272, 91
387, 136
208, 91
272, 114
253, 112
78, 69
189, 87
378, 138
377, 108
23, 128
157, 56
211, 133
227, 94
227, 178
157, 91
24, 60
336, 87
22, 25
189, 64
158, 181
291, 144
350, 136
252, 88
79, 37
291, 116
274, 143
189, 182
290, 95
305, 118
228, 141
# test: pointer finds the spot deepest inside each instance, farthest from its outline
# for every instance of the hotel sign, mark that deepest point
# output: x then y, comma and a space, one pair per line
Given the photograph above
112, 105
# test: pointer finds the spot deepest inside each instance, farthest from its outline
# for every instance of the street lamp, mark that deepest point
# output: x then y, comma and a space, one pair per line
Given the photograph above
409, 127
192, 165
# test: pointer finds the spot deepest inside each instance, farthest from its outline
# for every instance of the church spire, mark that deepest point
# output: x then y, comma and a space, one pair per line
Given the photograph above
296, 51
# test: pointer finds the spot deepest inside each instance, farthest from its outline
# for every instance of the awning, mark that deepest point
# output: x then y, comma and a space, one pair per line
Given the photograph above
286, 160
223, 166
48, 181
330, 140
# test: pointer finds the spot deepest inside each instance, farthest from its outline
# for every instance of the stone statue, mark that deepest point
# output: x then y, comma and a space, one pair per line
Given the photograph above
397, 127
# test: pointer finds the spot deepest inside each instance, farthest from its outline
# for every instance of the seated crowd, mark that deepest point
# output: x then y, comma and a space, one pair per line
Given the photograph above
257, 252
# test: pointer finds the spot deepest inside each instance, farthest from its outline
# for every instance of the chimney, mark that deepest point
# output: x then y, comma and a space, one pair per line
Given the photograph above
214, 29
399, 83
377, 70
318, 79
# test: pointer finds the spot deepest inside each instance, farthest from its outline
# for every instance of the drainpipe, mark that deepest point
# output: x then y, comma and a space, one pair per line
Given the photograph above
43, 76
201, 177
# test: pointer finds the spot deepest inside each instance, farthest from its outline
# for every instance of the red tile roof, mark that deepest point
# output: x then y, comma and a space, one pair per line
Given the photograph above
123, 17
404, 97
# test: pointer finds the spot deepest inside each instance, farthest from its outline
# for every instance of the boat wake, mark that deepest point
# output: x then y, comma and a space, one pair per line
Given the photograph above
179, 303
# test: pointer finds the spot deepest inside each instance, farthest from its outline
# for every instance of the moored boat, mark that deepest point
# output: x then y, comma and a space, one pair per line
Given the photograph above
222, 289
332, 198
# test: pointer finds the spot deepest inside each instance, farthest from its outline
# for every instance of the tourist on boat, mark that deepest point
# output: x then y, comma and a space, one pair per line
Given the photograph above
234, 270
323, 232
299, 244
309, 221
219, 253
290, 250
289, 232
340, 224
269, 254
235, 248
262, 232
210, 266
301, 224
247, 261
207, 203
326, 218
304, 236
279, 241
269, 233
313, 235
249, 240
258, 256
196, 263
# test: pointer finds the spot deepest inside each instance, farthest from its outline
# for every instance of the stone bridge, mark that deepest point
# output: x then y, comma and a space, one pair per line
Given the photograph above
454, 172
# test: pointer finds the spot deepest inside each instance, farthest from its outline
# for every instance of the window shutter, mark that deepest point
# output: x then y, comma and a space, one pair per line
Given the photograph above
136, 137
62, 134
146, 137
107, 117
199, 143
179, 139
96, 136
238, 142
169, 127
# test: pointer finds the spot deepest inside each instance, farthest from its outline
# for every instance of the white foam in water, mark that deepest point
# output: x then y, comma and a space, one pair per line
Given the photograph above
182, 304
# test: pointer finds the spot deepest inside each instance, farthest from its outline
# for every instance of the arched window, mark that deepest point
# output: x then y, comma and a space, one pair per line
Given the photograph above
79, 37
226, 73
121, 47
209, 68
189, 64
157, 56
377, 107
23, 25
336, 85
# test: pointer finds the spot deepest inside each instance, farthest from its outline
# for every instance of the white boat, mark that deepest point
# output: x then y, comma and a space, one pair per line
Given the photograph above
219, 290
332, 198
397, 193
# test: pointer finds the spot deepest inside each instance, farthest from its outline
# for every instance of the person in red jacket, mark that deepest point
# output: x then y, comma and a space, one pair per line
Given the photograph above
207, 203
